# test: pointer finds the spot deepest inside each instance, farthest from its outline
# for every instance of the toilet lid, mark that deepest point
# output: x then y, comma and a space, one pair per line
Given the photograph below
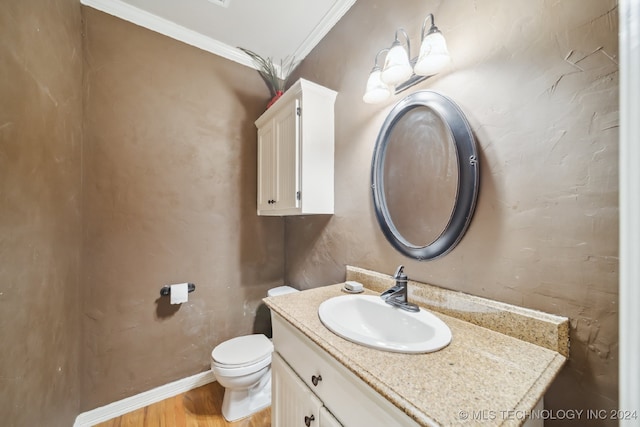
243, 350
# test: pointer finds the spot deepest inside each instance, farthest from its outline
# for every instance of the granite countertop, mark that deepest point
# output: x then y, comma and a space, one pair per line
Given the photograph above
482, 376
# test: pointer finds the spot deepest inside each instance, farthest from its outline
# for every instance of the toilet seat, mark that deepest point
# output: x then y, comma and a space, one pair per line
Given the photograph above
242, 355
238, 371
242, 351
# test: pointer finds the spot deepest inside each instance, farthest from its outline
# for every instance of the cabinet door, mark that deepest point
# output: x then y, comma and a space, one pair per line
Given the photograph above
287, 155
292, 404
328, 420
266, 166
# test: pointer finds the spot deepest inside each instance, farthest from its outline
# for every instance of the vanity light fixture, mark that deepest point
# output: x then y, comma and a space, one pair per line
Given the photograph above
397, 67
377, 90
399, 71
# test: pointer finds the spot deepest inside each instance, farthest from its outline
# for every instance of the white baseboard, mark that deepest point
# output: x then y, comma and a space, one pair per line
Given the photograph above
121, 407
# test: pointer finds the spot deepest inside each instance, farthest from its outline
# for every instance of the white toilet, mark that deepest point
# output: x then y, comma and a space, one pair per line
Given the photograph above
242, 365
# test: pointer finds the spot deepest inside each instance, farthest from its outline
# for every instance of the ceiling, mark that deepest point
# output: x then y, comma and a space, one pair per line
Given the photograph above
283, 30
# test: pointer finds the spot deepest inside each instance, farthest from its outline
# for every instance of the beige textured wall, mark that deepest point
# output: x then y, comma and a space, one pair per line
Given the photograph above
538, 81
40, 140
169, 196
168, 191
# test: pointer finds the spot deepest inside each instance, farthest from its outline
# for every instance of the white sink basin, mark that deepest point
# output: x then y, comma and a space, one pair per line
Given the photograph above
369, 321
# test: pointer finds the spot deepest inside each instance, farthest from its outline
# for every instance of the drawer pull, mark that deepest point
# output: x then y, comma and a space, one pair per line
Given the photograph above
307, 420
316, 379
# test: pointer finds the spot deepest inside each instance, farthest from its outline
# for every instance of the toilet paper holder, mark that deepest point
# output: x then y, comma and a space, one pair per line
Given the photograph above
165, 291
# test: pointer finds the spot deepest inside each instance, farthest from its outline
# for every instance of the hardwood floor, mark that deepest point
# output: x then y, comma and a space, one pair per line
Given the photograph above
199, 407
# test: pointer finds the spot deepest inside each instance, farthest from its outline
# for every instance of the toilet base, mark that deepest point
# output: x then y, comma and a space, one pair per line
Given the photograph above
242, 403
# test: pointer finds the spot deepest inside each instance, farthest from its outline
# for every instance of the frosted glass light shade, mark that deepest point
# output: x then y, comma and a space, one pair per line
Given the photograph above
377, 90
434, 55
396, 68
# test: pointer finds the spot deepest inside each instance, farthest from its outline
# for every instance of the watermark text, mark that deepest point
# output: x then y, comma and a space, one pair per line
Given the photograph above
486, 415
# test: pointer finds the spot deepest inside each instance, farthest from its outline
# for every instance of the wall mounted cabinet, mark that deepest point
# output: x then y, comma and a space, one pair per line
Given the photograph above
296, 152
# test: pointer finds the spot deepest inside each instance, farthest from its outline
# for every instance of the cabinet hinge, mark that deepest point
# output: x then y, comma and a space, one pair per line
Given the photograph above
297, 195
298, 111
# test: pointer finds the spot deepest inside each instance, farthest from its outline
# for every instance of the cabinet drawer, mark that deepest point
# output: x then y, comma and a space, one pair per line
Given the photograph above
348, 398
295, 405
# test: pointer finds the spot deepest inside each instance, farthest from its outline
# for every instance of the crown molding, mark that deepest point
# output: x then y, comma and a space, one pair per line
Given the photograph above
334, 14
123, 10
140, 17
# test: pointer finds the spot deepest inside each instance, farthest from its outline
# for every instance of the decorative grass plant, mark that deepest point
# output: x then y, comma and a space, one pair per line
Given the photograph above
271, 74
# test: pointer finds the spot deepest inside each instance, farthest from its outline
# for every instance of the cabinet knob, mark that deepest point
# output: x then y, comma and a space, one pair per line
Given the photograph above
307, 420
316, 379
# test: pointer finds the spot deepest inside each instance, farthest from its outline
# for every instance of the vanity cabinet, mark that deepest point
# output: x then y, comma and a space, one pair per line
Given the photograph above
298, 405
295, 152
308, 381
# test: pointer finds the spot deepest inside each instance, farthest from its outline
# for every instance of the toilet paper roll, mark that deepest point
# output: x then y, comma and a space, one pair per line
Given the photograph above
179, 293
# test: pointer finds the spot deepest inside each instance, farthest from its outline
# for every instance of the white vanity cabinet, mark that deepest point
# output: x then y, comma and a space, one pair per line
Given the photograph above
307, 382
295, 152
298, 406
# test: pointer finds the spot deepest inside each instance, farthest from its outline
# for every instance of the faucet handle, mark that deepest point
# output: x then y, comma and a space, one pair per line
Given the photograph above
400, 276
399, 272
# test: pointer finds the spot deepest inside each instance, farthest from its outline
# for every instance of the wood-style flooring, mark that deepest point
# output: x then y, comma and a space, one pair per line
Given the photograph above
199, 407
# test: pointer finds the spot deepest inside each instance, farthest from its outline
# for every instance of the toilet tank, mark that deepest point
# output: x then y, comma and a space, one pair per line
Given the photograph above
281, 290
262, 322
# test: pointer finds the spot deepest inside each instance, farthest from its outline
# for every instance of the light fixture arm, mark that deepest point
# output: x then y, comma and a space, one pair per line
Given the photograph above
375, 65
396, 42
432, 29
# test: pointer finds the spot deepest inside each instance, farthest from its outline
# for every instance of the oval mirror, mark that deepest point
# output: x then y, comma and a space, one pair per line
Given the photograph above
425, 175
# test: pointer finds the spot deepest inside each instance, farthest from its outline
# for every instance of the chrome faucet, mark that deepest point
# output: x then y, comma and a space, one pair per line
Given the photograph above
397, 295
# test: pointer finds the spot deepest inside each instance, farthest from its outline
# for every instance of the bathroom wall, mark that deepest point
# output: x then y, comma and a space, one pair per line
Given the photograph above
40, 144
167, 192
169, 196
538, 81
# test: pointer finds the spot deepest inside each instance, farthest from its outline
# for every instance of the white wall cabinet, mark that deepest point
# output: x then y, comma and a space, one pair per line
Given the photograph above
296, 152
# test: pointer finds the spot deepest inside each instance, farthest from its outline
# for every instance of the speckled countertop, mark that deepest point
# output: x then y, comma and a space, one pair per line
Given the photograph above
483, 374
